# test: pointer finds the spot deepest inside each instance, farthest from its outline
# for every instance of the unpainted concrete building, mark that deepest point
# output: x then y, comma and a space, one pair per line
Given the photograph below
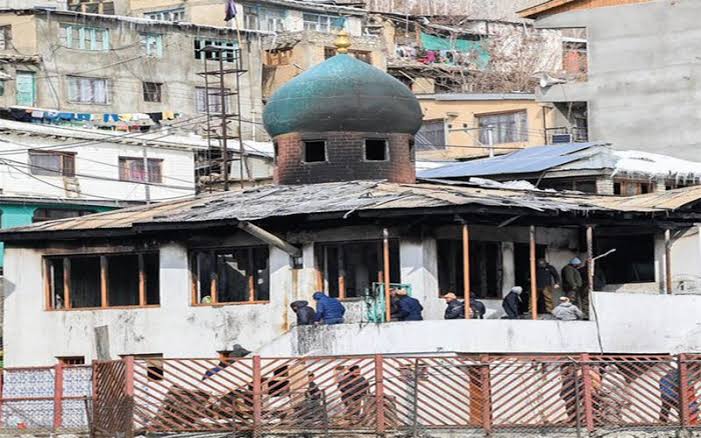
102, 64
640, 90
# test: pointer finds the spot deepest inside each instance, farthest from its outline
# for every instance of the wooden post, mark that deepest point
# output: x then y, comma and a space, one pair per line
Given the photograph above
466, 268
341, 273
251, 274
379, 395
195, 279
668, 260
534, 283
388, 298
213, 287
684, 389
486, 394
58, 396
104, 296
257, 390
318, 257
142, 281
67, 283
588, 393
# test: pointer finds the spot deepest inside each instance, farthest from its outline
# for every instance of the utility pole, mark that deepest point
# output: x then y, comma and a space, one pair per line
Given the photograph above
147, 176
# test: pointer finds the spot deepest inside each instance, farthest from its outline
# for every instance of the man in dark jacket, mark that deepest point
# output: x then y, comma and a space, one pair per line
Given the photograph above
409, 307
305, 314
511, 303
547, 280
478, 308
329, 310
394, 305
455, 309
571, 278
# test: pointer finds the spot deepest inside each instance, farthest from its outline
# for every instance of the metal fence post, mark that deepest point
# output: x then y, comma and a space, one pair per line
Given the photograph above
257, 402
379, 395
58, 396
486, 394
684, 401
588, 393
129, 391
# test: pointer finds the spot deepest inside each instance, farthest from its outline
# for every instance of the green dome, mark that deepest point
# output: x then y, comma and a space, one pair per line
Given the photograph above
343, 94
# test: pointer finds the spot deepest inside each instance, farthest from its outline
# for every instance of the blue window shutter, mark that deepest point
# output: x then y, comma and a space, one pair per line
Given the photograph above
105, 39
26, 88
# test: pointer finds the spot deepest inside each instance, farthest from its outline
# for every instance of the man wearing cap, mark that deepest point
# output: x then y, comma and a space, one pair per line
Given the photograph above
571, 278
455, 308
409, 307
566, 311
511, 303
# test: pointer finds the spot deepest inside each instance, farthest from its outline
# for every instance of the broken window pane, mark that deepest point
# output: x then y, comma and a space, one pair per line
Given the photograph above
350, 269
55, 277
85, 282
485, 268
123, 280
237, 275
151, 271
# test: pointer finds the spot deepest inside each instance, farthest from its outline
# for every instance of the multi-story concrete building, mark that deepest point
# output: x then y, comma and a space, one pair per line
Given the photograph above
107, 70
459, 125
302, 32
639, 90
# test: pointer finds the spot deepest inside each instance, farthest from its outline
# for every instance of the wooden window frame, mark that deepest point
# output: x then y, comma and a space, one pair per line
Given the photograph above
67, 163
213, 277
49, 304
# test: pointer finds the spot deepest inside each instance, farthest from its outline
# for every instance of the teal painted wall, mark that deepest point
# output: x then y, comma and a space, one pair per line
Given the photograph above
17, 215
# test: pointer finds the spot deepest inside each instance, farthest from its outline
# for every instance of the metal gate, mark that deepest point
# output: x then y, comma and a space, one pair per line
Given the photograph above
113, 403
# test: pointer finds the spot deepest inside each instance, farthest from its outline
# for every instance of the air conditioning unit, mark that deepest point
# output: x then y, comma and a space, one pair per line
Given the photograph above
561, 138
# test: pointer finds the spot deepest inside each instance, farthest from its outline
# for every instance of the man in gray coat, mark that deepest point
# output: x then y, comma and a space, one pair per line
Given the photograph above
566, 311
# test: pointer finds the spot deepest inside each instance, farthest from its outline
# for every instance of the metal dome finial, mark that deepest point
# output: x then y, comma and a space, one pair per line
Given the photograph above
343, 42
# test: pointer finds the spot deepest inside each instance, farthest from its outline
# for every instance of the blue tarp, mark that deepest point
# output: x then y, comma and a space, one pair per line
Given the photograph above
478, 48
529, 160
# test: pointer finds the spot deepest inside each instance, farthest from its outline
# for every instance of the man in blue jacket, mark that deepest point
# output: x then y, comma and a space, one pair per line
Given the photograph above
409, 307
329, 310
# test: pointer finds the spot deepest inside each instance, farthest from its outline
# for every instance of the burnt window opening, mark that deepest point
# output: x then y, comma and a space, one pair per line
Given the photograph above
314, 151
153, 364
234, 275
276, 151
350, 269
79, 282
633, 261
485, 268
71, 360
412, 150
617, 188
376, 150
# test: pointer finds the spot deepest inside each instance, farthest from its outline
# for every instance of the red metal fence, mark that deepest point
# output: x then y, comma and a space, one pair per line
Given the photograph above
363, 394
378, 394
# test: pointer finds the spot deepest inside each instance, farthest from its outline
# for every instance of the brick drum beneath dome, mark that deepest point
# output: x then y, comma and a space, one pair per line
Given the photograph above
346, 156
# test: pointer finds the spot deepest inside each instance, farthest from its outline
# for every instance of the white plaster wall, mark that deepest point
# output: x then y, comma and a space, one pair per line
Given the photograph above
175, 329
95, 161
628, 323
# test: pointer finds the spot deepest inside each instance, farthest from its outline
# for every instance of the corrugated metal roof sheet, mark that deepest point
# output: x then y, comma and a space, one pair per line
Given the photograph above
349, 197
530, 160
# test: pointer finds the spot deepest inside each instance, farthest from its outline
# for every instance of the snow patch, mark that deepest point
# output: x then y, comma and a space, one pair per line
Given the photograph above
656, 165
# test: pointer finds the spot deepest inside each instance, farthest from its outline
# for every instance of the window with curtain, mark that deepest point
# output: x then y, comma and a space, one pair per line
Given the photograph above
509, 127
132, 169
323, 23
87, 90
